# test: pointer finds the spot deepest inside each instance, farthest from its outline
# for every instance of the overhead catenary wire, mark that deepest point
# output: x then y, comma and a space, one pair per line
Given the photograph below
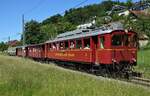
34, 7
79, 4
41, 2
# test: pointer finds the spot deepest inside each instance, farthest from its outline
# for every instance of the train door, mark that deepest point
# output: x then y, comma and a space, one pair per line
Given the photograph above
94, 45
26, 51
42, 51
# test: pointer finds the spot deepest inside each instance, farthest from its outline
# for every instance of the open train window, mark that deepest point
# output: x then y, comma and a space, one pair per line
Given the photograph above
61, 45
116, 40
102, 42
57, 45
72, 44
66, 45
54, 46
133, 41
50, 46
126, 40
79, 44
87, 43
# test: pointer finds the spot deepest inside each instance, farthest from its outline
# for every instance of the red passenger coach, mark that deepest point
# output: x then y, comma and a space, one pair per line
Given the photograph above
107, 46
67, 48
21, 51
36, 51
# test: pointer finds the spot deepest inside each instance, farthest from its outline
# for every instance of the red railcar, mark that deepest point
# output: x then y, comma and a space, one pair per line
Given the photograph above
108, 47
21, 51
36, 51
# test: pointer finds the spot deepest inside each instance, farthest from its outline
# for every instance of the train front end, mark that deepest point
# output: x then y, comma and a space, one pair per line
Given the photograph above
124, 49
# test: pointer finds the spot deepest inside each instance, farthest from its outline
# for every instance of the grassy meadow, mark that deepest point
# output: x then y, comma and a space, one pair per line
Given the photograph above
23, 77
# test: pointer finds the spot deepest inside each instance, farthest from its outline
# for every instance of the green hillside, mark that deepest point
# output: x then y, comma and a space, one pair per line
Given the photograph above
23, 77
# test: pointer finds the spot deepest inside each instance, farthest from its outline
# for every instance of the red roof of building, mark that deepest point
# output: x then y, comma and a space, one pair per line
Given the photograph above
12, 43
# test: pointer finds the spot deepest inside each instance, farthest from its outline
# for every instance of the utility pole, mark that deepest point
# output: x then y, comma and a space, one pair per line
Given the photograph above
23, 33
23, 30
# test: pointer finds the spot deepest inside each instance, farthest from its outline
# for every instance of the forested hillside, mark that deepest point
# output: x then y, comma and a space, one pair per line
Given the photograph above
37, 32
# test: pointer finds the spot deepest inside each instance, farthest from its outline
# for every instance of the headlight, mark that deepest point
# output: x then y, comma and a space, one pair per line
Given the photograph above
133, 59
113, 60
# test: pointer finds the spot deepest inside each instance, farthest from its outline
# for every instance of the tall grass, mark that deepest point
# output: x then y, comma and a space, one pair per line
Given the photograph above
144, 61
23, 77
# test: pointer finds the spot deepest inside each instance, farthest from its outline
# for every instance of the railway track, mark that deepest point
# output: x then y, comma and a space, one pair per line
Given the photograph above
140, 81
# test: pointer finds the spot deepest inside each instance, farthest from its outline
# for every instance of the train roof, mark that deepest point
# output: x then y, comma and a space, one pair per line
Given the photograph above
79, 33
35, 44
29, 45
21, 46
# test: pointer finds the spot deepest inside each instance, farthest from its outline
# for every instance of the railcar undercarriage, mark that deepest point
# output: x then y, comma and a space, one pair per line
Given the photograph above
123, 70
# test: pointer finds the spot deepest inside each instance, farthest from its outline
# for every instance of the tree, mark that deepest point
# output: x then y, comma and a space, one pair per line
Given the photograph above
51, 20
129, 3
50, 30
33, 35
3, 46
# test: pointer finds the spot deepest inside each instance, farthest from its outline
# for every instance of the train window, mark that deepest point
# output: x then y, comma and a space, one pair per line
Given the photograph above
126, 40
61, 45
54, 46
66, 44
57, 45
30, 50
79, 44
72, 44
50, 46
87, 43
117, 40
134, 41
102, 42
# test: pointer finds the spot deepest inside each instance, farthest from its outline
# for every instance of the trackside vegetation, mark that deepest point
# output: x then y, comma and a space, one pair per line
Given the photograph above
144, 61
23, 77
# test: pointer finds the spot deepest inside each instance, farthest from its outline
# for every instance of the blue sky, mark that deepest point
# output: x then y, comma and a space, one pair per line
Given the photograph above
12, 10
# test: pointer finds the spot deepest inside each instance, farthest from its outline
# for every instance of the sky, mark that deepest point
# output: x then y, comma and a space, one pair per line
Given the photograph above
11, 13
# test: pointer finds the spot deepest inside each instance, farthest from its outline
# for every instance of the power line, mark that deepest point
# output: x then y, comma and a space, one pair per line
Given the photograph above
76, 5
34, 7
80, 3
23, 20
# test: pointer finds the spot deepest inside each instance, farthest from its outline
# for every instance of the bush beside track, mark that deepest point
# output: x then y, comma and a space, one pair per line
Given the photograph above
144, 61
23, 77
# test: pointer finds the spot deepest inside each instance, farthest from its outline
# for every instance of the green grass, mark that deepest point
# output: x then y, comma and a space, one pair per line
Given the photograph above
144, 61
23, 77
